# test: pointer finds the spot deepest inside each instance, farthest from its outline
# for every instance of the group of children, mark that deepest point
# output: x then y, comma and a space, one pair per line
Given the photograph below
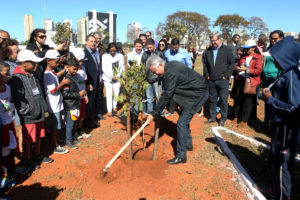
58, 99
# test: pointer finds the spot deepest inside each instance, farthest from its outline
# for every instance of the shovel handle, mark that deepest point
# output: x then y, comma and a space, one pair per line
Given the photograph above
124, 147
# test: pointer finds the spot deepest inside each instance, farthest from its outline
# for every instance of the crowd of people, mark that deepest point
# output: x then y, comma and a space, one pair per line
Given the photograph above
59, 91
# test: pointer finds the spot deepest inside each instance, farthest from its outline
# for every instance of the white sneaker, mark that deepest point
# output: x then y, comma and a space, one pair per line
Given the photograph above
86, 135
60, 150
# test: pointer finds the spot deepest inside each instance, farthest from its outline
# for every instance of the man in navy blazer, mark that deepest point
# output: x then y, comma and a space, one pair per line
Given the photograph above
93, 70
218, 66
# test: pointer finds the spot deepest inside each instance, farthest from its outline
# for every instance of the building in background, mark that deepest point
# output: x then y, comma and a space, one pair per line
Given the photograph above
107, 22
81, 30
50, 32
28, 25
133, 32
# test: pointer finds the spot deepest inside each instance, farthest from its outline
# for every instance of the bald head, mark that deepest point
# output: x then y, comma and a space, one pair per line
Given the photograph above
4, 35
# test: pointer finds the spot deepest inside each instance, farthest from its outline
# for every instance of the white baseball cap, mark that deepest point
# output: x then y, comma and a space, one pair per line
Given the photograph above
52, 54
249, 44
78, 53
27, 55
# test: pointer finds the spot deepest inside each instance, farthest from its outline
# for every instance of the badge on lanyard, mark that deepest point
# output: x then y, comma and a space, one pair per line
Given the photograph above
35, 91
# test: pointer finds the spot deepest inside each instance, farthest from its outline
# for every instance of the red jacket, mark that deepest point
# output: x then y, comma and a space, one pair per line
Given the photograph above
256, 65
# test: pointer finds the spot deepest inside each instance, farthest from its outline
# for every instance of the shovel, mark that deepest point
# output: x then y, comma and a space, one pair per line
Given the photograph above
124, 147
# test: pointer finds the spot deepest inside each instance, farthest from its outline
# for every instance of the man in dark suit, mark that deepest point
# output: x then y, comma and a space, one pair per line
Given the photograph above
188, 89
218, 66
235, 45
94, 71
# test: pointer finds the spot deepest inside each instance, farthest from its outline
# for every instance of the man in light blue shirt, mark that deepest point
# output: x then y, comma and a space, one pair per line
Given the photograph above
178, 54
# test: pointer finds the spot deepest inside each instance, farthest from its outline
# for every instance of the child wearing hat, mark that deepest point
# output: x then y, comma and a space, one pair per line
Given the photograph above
82, 78
30, 105
54, 98
71, 99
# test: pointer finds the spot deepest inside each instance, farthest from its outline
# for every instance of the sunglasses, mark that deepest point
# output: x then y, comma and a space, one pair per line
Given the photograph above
42, 36
162, 45
3, 38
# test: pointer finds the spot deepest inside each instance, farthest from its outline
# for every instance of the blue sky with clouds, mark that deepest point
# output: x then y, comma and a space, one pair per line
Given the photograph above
277, 14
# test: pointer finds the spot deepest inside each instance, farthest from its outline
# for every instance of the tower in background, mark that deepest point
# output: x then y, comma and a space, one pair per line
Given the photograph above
81, 30
28, 25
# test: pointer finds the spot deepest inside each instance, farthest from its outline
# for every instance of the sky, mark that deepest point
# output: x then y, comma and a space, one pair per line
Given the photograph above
277, 14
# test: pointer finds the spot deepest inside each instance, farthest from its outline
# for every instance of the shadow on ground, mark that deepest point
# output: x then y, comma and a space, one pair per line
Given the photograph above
35, 192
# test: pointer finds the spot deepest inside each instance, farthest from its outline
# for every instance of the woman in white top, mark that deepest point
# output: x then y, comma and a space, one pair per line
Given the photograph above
112, 67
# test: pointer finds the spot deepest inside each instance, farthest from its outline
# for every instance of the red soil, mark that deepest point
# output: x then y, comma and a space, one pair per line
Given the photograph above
79, 174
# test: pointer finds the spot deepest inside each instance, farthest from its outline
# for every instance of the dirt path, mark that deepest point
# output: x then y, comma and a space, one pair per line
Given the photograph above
78, 174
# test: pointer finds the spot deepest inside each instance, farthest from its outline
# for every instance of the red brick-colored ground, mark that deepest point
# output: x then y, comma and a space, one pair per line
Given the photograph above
79, 174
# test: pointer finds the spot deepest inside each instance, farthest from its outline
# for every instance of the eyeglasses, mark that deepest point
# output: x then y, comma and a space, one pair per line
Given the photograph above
42, 36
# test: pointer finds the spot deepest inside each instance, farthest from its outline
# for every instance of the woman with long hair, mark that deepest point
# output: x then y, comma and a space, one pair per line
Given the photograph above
162, 45
250, 66
112, 67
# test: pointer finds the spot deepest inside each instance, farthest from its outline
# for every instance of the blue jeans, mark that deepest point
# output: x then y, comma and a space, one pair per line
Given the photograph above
151, 91
184, 138
69, 127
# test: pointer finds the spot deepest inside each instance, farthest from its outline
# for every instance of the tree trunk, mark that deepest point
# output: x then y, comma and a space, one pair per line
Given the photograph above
128, 123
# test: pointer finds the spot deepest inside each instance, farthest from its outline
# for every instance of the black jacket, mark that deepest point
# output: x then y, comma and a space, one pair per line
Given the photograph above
151, 78
30, 107
224, 63
93, 70
182, 84
234, 49
70, 93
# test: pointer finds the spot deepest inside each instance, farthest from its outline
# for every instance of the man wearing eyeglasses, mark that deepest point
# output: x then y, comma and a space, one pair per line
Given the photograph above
3, 36
218, 67
149, 35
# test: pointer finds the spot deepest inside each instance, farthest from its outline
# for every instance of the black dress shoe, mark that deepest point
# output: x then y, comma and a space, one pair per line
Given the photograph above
210, 121
189, 148
176, 161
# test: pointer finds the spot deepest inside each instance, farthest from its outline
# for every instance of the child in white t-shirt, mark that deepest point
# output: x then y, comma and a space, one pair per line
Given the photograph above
82, 77
54, 98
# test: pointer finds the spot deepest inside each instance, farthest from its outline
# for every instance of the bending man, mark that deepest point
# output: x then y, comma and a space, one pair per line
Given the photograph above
188, 89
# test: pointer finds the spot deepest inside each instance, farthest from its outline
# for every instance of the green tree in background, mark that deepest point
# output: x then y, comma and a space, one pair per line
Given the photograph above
63, 33
228, 24
256, 26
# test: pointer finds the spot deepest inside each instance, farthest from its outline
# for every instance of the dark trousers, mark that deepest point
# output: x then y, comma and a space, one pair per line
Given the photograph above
94, 106
184, 138
244, 104
218, 88
282, 158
